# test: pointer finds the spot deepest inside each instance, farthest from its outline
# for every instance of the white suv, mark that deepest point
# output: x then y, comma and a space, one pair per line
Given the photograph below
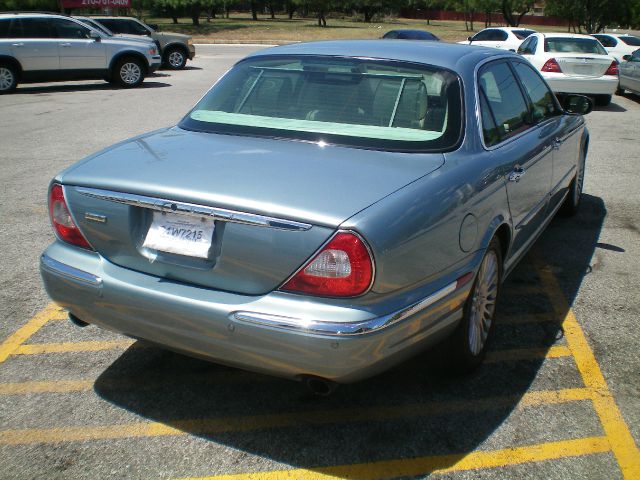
48, 47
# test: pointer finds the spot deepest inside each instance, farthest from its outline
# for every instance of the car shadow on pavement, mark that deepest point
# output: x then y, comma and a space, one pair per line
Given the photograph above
84, 87
612, 107
418, 409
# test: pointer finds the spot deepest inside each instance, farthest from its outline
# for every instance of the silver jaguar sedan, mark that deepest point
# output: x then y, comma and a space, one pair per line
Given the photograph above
325, 211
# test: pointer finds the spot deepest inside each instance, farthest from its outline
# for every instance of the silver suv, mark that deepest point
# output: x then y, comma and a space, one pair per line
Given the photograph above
175, 48
47, 47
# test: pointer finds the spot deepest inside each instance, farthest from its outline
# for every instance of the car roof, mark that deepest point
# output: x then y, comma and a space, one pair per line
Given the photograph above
448, 55
109, 17
507, 29
566, 35
616, 35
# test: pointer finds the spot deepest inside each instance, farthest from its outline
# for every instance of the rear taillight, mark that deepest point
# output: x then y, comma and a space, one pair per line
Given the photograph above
343, 268
61, 219
613, 69
551, 66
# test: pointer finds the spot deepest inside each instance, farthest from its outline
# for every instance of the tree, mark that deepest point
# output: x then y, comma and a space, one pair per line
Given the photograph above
514, 10
319, 7
593, 15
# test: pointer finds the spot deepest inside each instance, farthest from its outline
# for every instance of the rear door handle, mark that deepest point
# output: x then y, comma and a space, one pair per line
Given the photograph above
516, 174
557, 143
17, 44
65, 44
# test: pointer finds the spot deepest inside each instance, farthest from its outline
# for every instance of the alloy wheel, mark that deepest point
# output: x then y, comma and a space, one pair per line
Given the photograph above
483, 304
130, 73
6, 79
176, 59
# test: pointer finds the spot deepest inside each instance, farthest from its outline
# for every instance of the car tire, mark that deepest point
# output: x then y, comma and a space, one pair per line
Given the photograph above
572, 202
620, 91
474, 332
603, 100
129, 72
175, 58
8, 78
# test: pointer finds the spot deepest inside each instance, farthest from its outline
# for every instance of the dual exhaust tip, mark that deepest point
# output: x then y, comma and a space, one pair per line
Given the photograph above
316, 385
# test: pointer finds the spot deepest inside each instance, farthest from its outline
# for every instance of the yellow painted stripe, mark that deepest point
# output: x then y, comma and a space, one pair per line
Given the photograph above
282, 420
436, 463
13, 342
59, 386
556, 351
622, 443
38, 348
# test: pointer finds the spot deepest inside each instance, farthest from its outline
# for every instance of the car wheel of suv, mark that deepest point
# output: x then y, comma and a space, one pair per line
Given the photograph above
8, 78
473, 334
175, 58
129, 72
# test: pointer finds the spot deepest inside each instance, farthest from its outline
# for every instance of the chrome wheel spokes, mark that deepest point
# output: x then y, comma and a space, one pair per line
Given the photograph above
130, 73
483, 302
176, 59
6, 78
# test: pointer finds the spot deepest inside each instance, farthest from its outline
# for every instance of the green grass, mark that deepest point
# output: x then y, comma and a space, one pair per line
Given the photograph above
241, 29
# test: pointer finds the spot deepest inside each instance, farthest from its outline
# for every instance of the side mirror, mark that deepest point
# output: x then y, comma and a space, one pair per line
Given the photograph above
512, 50
153, 26
95, 36
470, 39
577, 104
626, 58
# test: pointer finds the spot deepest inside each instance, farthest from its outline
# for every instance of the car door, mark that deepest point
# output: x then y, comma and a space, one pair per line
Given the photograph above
484, 38
559, 131
78, 51
630, 73
34, 44
524, 150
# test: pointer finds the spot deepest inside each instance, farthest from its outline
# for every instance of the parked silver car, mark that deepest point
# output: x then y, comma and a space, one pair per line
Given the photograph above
47, 47
630, 73
325, 211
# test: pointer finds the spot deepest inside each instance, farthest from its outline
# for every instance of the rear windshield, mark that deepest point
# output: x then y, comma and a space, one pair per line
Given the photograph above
633, 41
358, 102
574, 45
522, 34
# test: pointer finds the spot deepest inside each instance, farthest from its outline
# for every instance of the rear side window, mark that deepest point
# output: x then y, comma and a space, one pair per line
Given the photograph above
34, 28
542, 100
633, 41
522, 34
573, 45
4, 28
504, 98
391, 35
366, 103
68, 29
606, 40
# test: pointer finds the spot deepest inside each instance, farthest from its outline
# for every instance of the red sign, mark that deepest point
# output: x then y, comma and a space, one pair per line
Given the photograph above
96, 3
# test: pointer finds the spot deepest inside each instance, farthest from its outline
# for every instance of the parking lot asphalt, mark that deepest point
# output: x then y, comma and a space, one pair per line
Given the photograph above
559, 396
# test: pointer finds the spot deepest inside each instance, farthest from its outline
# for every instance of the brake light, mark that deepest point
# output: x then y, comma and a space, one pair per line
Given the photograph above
343, 268
61, 219
551, 66
613, 69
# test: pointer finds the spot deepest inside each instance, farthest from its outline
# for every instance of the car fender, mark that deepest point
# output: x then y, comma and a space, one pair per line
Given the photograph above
129, 53
178, 44
13, 61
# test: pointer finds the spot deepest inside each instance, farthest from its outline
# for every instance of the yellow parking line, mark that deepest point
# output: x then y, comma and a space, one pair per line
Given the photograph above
39, 348
59, 386
283, 420
411, 467
617, 432
555, 351
13, 342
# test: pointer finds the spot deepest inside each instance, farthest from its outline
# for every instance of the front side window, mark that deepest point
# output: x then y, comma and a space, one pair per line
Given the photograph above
504, 98
68, 29
573, 45
542, 100
528, 47
391, 35
360, 102
522, 34
483, 36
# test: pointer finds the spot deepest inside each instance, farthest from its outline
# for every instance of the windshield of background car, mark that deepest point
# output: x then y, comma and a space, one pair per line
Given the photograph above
357, 102
574, 45
633, 41
522, 34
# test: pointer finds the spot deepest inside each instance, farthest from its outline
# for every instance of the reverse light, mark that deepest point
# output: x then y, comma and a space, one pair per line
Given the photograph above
61, 219
343, 268
613, 69
551, 66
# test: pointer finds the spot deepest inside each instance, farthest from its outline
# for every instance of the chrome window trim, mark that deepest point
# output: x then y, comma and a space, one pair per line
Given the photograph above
342, 329
69, 272
193, 210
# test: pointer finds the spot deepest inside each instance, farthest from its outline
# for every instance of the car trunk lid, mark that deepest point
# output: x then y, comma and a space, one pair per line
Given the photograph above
581, 65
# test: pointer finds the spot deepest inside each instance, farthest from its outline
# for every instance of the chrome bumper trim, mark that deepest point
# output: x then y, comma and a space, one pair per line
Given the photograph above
69, 272
342, 329
192, 209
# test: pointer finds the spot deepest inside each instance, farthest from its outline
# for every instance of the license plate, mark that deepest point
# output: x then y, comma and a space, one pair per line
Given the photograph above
179, 234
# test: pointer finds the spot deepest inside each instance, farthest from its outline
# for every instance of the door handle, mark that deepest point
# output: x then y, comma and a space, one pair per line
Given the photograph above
65, 44
17, 44
516, 174
557, 143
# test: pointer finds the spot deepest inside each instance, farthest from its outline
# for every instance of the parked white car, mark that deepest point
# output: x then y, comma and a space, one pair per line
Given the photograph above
572, 63
618, 45
506, 38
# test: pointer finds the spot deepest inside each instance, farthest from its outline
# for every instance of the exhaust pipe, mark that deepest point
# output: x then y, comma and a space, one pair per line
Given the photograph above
319, 386
76, 321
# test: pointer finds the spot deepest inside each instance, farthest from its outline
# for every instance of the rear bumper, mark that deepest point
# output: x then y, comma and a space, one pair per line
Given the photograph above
192, 51
560, 83
279, 334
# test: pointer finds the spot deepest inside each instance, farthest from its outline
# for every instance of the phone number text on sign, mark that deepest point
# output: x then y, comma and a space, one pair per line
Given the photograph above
96, 3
